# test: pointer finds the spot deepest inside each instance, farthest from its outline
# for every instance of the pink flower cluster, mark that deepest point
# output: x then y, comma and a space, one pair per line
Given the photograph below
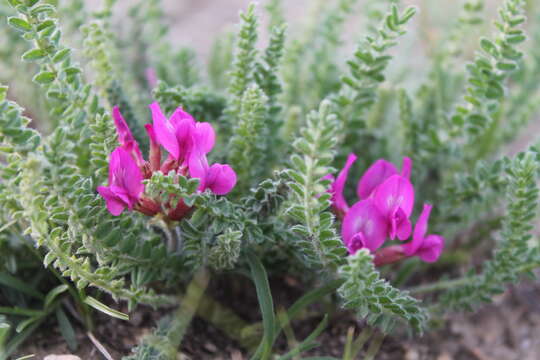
187, 143
383, 211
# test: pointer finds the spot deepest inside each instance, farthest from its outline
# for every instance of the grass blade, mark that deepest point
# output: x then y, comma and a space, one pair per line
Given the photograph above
105, 309
13, 282
66, 329
264, 295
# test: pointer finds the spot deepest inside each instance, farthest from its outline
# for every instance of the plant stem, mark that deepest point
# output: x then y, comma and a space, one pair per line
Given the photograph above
449, 284
374, 346
183, 316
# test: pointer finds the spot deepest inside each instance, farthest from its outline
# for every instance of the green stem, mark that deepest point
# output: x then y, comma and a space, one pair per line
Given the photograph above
450, 284
183, 316
374, 346
441, 285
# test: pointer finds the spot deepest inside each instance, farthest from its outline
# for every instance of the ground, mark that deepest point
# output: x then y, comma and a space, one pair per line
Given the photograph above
508, 329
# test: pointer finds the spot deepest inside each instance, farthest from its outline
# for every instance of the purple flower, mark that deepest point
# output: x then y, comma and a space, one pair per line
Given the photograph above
218, 178
429, 247
384, 210
151, 77
336, 188
125, 138
364, 226
395, 199
393, 193
180, 134
125, 182
377, 173
188, 142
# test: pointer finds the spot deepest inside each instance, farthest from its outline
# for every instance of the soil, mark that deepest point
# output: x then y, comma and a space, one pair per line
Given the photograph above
508, 329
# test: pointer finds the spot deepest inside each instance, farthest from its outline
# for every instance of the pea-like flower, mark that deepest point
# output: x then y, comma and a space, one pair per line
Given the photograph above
187, 143
383, 211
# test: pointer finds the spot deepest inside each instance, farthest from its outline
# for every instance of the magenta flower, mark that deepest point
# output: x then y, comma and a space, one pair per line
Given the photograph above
384, 210
429, 247
393, 193
364, 226
151, 77
395, 199
125, 138
180, 134
336, 188
377, 173
187, 142
125, 182
218, 178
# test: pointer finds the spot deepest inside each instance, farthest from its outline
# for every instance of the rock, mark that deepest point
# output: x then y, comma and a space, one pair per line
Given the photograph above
61, 357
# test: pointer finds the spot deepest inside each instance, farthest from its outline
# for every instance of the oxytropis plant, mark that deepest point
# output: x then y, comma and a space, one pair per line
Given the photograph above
231, 175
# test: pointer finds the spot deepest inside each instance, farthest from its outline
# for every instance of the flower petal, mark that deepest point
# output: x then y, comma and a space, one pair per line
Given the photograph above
114, 204
122, 128
204, 137
400, 225
365, 217
125, 137
155, 150
184, 126
165, 131
180, 116
394, 192
431, 248
375, 175
338, 200
404, 229
406, 167
198, 168
126, 174
220, 179
420, 230
357, 242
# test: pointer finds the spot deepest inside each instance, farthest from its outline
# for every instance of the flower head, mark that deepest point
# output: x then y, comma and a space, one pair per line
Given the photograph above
384, 210
187, 142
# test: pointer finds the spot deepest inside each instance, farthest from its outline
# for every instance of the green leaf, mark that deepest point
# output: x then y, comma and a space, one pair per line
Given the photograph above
61, 55
44, 77
3, 93
489, 47
264, 295
43, 8
66, 329
13, 282
18, 339
34, 54
105, 309
19, 24
53, 294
